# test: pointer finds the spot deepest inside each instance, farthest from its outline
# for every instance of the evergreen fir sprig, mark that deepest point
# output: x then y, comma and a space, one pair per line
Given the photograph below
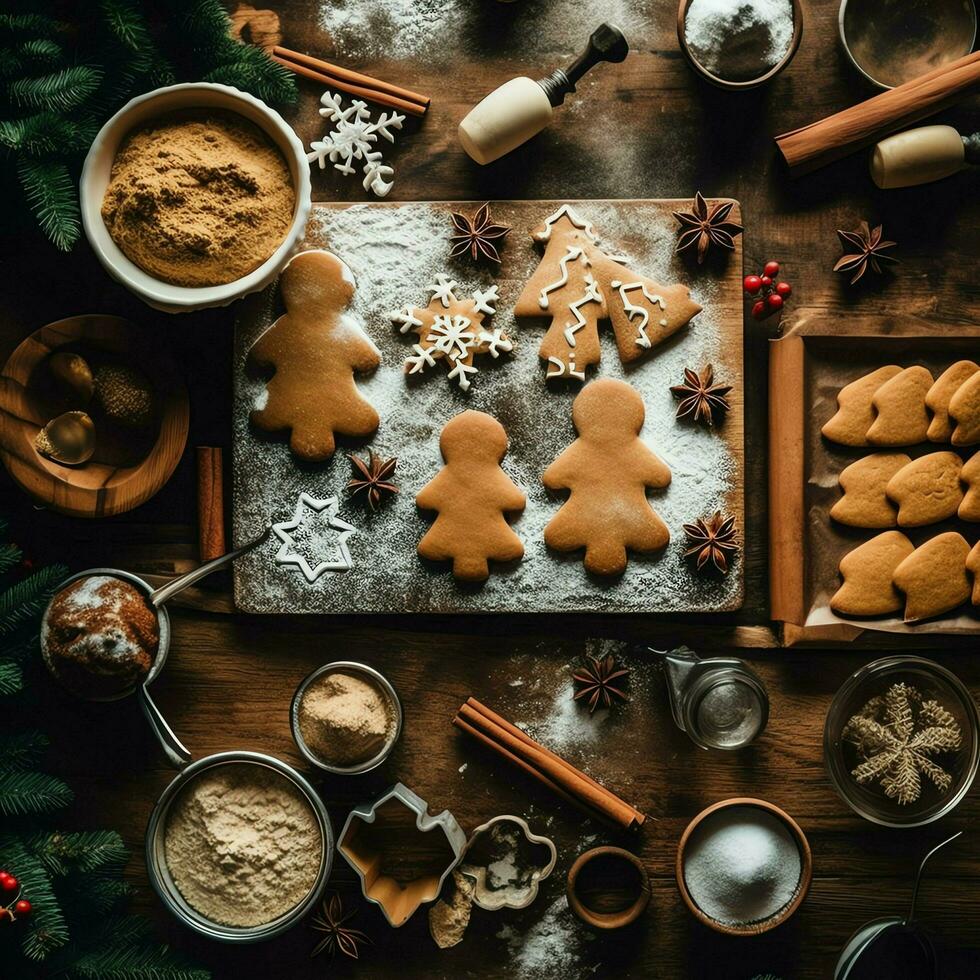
31, 792
25, 600
87, 851
21, 750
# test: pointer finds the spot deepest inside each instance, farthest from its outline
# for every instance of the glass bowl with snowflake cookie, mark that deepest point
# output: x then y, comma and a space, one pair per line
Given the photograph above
902, 741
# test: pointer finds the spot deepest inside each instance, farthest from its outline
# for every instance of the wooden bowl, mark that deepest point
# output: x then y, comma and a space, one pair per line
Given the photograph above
778, 918
585, 909
750, 83
109, 483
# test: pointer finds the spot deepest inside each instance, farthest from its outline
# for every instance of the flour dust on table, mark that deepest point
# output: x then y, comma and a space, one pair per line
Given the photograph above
394, 252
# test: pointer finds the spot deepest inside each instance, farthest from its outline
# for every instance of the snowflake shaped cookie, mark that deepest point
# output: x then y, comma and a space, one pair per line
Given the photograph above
354, 137
452, 330
315, 540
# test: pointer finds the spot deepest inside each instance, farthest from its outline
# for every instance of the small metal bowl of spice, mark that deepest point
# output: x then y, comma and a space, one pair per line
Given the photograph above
739, 44
346, 718
239, 847
902, 741
743, 866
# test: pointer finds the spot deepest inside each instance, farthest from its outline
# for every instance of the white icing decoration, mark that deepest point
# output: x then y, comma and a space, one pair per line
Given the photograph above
496, 342
443, 289
353, 138
483, 298
563, 369
592, 295
642, 340
407, 320
285, 532
447, 333
573, 253
566, 211
423, 359
460, 370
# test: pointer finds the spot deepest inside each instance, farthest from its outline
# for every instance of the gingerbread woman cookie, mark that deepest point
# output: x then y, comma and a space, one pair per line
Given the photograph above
849, 425
964, 409
864, 502
927, 490
471, 495
969, 509
938, 396
577, 285
901, 418
608, 469
934, 577
315, 348
867, 571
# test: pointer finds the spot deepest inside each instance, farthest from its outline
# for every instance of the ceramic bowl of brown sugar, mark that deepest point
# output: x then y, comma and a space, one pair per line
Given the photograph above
195, 195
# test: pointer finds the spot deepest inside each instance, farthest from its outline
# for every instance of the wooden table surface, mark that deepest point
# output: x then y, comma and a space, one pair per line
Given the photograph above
646, 128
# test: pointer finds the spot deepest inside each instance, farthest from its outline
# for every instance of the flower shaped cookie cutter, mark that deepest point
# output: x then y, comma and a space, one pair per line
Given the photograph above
375, 833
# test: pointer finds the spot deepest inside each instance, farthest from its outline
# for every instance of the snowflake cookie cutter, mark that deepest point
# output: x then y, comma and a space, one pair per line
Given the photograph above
354, 138
288, 553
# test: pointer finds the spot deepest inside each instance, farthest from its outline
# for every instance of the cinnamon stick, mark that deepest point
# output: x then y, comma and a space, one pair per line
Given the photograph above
516, 745
830, 139
210, 502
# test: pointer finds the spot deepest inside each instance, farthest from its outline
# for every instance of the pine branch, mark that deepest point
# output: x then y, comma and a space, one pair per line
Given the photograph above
32, 793
11, 681
140, 963
46, 929
61, 90
10, 554
84, 852
252, 70
31, 24
102, 894
48, 132
22, 750
26, 599
51, 195
127, 25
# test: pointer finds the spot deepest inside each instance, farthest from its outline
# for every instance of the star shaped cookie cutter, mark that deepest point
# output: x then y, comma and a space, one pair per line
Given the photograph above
288, 553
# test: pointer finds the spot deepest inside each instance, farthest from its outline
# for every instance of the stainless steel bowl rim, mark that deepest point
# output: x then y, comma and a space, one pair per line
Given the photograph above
163, 619
970, 707
156, 869
386, 686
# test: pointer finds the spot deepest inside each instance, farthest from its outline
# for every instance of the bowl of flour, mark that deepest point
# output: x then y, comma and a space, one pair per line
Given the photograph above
239, 847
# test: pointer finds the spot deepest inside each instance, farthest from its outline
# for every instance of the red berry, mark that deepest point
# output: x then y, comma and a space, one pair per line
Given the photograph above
771, 269
9, 884
784, 289
4, 874
766, 281
775, 301
5, 914
759, 310
752, 284
23, 907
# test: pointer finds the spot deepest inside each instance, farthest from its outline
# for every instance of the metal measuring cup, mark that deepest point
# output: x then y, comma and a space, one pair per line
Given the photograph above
176, 752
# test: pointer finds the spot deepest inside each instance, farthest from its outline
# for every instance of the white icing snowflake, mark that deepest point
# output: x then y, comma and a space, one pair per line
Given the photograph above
314, 543
353, 138
442, 289
452, 335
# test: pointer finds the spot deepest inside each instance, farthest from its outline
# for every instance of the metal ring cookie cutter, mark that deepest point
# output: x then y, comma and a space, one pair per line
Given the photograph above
366, 845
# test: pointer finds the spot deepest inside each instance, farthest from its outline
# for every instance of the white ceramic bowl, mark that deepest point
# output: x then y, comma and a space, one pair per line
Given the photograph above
98, 166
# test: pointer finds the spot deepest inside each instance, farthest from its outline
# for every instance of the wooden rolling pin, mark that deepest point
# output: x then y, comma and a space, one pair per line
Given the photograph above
837, 136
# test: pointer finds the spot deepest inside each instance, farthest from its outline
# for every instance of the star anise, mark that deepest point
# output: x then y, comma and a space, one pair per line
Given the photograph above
476, 235
700, 398
705, 227
331, 921
598, 679
372, 480
869, 251
712, 540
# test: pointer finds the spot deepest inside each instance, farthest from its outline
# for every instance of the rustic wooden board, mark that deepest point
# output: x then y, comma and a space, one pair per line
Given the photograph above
410, 243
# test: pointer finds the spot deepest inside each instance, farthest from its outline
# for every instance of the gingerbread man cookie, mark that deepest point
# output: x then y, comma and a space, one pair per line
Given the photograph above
934, 577
453, 331
969, 509
315, 348
577, 285
901, 418
927, 490
849, 425
864, 502
964, 409
938, 396
608, 469
867, 571
471, 495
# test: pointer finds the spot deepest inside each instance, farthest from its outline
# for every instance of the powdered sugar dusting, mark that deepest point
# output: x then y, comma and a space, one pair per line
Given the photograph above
393, 252
553, 947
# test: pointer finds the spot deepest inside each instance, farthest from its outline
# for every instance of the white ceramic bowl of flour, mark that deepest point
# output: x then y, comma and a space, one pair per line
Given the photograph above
165, 880
98, 169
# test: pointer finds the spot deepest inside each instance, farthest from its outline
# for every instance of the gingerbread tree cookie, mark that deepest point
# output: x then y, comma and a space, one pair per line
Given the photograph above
607, 469
577, 285
452, 330
471, 495
315, 348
